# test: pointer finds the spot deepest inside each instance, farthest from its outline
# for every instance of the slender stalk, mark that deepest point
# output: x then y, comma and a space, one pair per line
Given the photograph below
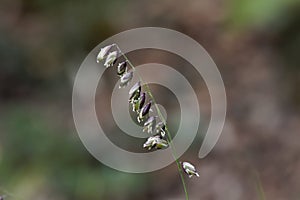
169, 139
259, 187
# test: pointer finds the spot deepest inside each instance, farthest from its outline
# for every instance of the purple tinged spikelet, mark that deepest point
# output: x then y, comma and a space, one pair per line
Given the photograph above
103, 52
111, 59
142, 100
125, 79
145, 110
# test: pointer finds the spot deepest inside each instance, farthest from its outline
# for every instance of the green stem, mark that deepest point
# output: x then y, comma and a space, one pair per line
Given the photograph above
259, 187
169, 139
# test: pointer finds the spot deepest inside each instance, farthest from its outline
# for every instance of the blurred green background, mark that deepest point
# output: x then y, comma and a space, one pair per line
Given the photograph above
256, 45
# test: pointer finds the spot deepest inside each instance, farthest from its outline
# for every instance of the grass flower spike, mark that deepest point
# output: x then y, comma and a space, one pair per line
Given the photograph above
137, 99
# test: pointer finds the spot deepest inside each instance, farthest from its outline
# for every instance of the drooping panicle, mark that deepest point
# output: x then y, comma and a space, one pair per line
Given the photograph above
122, 68
144, 111
161, 128
189, 169
125, 79
103, 52
149, 124
137, 99
111, 59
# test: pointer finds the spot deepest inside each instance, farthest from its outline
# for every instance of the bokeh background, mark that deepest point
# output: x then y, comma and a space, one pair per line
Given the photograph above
256, 45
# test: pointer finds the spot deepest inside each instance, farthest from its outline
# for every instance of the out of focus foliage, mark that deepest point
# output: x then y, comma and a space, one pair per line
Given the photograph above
47, 161
247, 13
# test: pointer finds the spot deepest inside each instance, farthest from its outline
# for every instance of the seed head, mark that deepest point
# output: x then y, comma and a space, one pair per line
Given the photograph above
103, 52
111, 59
189, 169
122, 68
125, 79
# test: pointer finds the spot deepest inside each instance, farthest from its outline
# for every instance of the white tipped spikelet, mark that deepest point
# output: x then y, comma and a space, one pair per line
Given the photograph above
189, 169
155, 142
135, 91
125, 79
111, 59
103, 52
